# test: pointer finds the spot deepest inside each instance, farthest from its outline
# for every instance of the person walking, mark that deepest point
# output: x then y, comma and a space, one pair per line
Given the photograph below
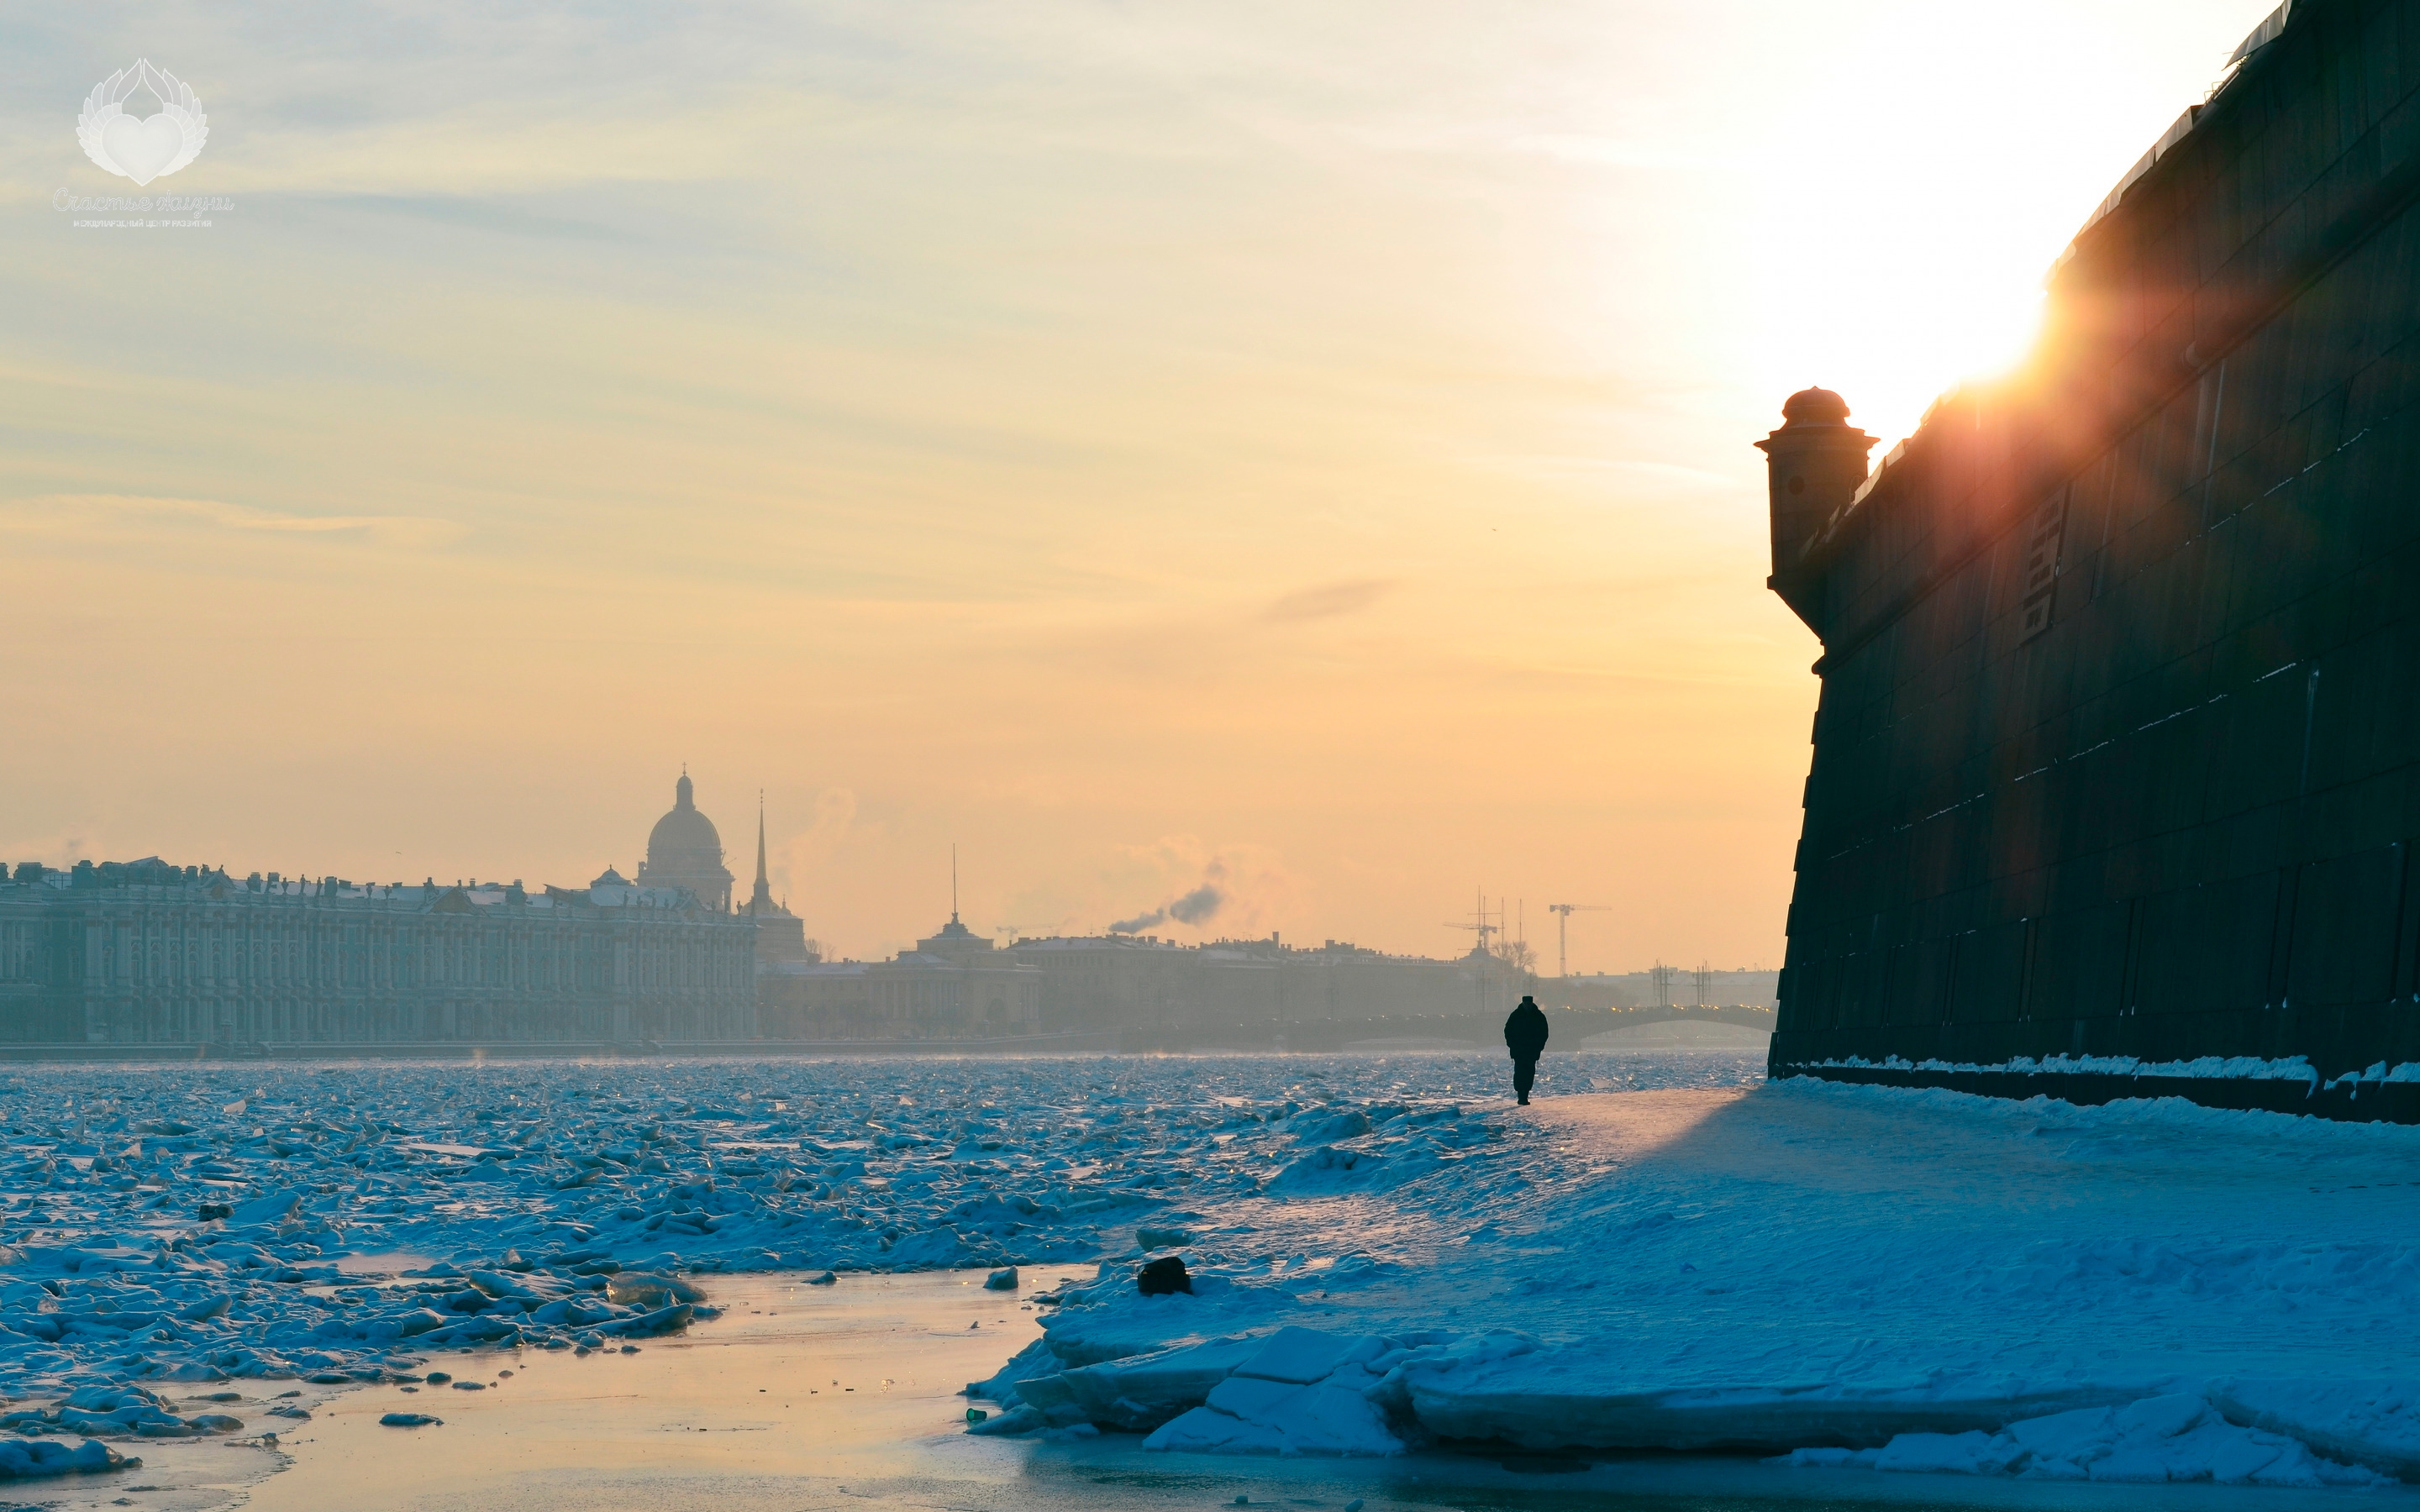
1524, 1035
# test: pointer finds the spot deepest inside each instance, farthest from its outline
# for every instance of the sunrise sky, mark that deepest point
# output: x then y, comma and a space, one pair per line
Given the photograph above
1303, 446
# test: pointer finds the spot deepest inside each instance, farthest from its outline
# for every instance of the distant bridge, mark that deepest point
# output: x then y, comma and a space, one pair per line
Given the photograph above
1567, 1027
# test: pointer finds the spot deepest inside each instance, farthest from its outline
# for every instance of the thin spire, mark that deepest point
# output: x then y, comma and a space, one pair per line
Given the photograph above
761, 903
954, 881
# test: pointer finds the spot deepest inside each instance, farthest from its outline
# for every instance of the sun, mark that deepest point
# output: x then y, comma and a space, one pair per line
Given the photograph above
1918, 196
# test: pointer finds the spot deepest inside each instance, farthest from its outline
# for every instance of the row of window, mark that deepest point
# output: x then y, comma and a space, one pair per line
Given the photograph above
358, 957
301, 1021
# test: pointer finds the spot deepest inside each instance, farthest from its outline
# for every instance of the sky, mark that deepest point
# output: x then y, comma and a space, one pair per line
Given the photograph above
1300, 451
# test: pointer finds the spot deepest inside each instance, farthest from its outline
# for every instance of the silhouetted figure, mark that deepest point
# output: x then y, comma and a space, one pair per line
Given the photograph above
1524, 1035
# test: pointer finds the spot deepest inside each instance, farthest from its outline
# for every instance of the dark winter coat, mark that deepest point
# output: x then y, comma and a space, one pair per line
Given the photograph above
1525, 1032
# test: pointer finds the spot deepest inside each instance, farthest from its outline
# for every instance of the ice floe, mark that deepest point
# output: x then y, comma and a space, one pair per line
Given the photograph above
23, 1459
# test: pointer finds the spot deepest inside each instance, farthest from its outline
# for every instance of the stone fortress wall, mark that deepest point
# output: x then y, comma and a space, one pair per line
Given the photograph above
2117, 765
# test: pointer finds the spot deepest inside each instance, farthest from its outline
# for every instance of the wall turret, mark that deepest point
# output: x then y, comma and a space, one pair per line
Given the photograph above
1813, 466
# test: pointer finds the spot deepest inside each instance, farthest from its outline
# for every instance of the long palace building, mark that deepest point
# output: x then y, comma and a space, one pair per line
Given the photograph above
150, 953
2116, 785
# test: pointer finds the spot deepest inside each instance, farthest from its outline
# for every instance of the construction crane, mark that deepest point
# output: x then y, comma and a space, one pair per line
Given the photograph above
1562, 932
1483, 923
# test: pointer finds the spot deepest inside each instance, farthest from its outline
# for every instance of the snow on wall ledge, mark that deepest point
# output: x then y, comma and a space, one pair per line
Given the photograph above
1899, 1279
2247, 1068
2374, 1093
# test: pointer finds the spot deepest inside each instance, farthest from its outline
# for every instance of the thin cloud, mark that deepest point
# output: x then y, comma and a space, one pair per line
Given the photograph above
1328, 600
1621, 152
1593, 470
77, 514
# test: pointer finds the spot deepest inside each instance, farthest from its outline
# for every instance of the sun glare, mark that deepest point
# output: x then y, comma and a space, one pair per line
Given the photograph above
1923, 215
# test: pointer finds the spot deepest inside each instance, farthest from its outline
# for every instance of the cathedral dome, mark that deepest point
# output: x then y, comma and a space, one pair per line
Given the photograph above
684, 833
684, 849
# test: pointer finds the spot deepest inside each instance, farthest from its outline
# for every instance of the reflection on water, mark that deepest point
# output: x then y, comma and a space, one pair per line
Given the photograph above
795, 1390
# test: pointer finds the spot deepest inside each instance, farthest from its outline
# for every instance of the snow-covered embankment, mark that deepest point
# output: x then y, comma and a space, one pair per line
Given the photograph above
1906, 1280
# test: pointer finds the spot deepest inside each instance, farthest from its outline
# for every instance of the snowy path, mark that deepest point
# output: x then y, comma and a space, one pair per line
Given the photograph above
2125, 1243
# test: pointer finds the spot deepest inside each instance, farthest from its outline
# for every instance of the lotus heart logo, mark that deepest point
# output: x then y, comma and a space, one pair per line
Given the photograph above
146, 149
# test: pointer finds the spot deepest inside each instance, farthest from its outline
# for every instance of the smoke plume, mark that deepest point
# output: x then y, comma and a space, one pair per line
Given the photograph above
1195, 907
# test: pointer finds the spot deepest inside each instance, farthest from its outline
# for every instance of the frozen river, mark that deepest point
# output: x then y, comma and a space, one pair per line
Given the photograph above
1388, 1261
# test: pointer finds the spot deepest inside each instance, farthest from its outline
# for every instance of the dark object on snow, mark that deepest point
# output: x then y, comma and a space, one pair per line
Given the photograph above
1163, 1276
217, 1210
1524, 1035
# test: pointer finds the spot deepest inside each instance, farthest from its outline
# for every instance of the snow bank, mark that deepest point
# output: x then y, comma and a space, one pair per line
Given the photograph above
1894, 1278
1301, 1391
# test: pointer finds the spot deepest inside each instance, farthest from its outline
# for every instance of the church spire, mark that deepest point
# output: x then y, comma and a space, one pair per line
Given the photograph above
763, 901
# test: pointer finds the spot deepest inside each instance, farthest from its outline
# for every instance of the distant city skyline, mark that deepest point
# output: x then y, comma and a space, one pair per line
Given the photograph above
705, 870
